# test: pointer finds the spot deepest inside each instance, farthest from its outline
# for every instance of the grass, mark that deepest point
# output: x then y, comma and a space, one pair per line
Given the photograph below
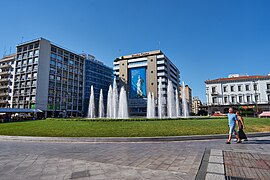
136, 128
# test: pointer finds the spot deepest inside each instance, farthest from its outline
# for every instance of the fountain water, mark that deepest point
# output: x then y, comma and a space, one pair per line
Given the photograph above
91, 108
160, 99
184, 101
114, 100
101, 105
177, 109
153, 109
109, 103
123, 108
170, 100
150, 105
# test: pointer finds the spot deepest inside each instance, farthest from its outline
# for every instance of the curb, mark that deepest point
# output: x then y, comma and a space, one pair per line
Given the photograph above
122, 139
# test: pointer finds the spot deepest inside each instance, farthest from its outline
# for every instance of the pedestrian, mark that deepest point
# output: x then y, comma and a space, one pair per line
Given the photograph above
241, 127
232, 118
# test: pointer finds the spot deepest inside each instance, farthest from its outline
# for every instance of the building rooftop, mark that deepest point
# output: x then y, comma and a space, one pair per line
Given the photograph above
143, 54
238, 78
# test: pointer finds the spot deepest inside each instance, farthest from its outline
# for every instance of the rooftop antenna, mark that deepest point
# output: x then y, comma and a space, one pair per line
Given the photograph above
5, 51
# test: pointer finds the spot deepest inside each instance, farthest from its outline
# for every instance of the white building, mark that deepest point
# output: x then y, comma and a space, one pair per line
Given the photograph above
241, 92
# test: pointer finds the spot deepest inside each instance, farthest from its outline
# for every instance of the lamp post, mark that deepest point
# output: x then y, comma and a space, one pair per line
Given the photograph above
207, 94
255, 96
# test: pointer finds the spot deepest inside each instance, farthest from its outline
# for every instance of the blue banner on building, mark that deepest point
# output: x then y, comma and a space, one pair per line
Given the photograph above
137, 82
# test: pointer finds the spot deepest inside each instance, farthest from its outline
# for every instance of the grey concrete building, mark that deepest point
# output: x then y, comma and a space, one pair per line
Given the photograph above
48, 77
144, 70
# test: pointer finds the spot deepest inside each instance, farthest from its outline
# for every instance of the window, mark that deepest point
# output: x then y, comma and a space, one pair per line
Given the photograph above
24, 55
19, 57
36, 52
232, 88
240, 99
268, 86
36, 45
247, 87
34, 83
53, 55
53, 49
225, 100
52, 77
214, 100
25, 48
53, 63
268, 97
35, 60
256, 98
59, 58
239, 87
233, 99
255, 87
225, 89
34, 75
19, 63
30, 61
248, 99
30, 46
213, 89
24, 62
30, 54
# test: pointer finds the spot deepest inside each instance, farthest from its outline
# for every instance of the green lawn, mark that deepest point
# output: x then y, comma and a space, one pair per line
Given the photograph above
72, 128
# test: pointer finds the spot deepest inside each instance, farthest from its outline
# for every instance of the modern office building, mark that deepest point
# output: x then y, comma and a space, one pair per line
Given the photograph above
188, 92
48, 77
6, 80
98, 75
196, 105
250, 94
139, 74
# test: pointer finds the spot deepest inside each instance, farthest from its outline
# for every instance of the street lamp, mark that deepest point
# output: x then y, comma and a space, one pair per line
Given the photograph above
255, 96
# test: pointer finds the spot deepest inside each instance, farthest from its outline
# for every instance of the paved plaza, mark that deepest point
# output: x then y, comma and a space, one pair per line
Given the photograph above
210, 159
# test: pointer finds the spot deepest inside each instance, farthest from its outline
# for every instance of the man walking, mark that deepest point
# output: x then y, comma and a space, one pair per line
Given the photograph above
232, 118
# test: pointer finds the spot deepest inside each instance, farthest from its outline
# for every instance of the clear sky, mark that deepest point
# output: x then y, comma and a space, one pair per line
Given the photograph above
206, 39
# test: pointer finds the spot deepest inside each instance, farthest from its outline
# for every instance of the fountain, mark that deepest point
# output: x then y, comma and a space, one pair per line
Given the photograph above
101, 105
177, 108
170, 100
91, 108
184, 101
150, 105
160, 99
123, 107
114, 100
109, 103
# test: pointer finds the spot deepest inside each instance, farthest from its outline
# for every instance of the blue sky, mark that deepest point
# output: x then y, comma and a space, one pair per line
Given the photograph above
206, 39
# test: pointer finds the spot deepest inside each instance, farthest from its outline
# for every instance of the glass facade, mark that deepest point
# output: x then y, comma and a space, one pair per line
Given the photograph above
98, 75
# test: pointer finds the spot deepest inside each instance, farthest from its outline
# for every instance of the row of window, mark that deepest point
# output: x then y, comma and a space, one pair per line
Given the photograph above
25, 91
27, 62
238, 99
26, 69
28, 47
239, 88
28, 76
29, 54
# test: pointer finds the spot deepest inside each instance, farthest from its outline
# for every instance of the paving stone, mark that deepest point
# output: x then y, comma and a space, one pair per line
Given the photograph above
215, 168
216, 159
210, 176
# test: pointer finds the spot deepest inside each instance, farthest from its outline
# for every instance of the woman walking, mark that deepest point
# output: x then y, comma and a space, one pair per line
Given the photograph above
241, 126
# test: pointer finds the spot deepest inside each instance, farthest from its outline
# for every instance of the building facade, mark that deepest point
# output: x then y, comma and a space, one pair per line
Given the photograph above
6, 80
98, 75
188, 92
48, 77
251, 94
196, 105
139, 74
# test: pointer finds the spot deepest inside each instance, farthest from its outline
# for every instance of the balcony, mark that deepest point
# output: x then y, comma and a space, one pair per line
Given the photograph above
3, 102
5, 73
267, 90
3, 94
5, 80
6, 66
214, 94
4, 87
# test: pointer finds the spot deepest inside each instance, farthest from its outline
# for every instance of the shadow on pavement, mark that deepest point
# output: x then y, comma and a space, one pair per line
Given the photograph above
257, 142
